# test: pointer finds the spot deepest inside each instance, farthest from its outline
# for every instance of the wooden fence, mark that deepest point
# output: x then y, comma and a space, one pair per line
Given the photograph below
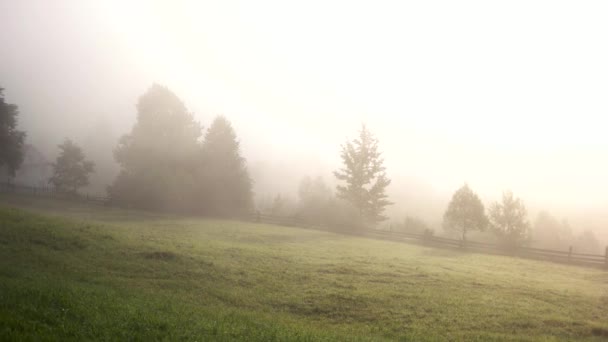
568, 256
50, 192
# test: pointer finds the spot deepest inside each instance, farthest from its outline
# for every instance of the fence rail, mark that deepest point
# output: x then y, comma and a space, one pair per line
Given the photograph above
424, 239
567, 256
50, 192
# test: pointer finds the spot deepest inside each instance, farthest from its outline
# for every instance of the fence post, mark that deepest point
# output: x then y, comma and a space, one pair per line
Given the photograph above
570, 254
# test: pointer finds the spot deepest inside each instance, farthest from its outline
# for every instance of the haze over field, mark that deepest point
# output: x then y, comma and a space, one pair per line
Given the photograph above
502, 96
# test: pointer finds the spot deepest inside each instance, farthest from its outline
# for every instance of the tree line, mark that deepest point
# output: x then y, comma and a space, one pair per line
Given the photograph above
169, 161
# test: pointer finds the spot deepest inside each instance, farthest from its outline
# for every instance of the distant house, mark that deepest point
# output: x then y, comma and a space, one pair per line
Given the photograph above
34, 171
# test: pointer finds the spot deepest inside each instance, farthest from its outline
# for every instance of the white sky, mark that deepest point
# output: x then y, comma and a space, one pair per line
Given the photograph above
504, 95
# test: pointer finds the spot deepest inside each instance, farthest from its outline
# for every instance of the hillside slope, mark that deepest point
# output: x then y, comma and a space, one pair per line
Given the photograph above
116, 275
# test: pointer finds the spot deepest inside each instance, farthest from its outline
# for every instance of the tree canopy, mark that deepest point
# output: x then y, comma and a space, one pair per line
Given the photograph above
315, 201
158, 157
364, 176
508, 219
226, 185
11, 139
465, 212
165, 165
71, 170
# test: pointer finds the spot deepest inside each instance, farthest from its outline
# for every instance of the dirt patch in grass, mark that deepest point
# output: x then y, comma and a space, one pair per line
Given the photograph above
160, 255
600, 331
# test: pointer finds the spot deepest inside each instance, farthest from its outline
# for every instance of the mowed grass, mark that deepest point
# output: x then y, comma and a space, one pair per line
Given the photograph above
70, 272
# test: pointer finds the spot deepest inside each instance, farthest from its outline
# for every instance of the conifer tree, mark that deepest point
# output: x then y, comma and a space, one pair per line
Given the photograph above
364, 177
226, 185
11, 139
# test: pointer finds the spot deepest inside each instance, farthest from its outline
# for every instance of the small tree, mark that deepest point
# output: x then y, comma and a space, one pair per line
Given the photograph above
412, 224
465, 213
586, 242
549, 232
71, 170
365, 177
11, 140
509, 220
314, 201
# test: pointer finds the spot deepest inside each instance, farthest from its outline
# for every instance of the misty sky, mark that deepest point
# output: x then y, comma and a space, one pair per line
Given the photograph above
502, 95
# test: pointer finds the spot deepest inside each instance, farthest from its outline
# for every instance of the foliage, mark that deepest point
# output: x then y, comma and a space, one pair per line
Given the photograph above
465, 212
550, 233
587, 242
412, 224
157, 158
11, 139
314, 201
71, 170
226, 185
164, 165
508, 220
317, 206
365, 177
111, 274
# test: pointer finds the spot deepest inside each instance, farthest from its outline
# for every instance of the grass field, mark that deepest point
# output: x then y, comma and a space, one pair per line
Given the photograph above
72, 272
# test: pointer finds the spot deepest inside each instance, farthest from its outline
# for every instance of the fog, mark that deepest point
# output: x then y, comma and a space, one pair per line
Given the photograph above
503, 96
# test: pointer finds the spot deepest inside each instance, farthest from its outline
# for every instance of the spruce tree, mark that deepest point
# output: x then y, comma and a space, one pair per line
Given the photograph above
224, 179
364, 176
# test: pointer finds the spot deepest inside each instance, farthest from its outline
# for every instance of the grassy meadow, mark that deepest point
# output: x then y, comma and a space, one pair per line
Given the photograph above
76, 272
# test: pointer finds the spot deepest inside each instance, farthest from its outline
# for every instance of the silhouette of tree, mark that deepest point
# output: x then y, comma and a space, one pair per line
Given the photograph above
158, 158
465, 212
315, 203
11, 139
71, 170
365, 177
226, 185
509, 221
586, 242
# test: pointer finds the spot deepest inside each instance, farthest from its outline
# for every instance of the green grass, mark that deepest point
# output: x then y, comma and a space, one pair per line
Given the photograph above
72, 272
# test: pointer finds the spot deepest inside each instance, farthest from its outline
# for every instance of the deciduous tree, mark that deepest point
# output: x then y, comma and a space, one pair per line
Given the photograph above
508, 219
465, 213
71, 170
158, 158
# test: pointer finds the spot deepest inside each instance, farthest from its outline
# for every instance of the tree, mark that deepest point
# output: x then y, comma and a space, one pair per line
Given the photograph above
11, 139
412, 224
227, 187
158, 159
71, 170
586, 242
465, 213
509, 220
365, 177
313, 190
314, 205
550, 233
